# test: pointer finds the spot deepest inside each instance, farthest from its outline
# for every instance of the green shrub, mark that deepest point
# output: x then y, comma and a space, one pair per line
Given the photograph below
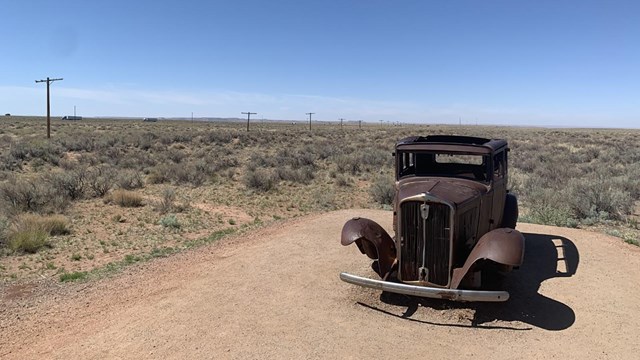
29, 241
170, 221
77, 275
131, 259
30, 232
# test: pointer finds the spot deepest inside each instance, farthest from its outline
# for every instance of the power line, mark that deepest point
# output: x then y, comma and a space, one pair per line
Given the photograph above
309, 113
48, 81
249, 113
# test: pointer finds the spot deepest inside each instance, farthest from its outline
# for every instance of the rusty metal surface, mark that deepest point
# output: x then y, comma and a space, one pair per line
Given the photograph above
453, 190
476, 195
503, 246
372, 240
425, 254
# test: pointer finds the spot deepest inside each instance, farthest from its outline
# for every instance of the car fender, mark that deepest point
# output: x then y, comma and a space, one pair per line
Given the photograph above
503, 246
372, 240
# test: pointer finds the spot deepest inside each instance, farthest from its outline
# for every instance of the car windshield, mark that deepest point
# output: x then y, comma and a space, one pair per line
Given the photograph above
461, 165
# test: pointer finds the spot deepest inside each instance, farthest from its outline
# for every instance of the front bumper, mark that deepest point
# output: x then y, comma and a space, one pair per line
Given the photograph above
428, 292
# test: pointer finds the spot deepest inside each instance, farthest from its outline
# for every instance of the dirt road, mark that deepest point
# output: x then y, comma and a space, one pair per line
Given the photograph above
275, 293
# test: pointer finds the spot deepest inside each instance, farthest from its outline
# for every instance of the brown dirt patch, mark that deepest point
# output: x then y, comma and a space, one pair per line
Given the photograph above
275, 293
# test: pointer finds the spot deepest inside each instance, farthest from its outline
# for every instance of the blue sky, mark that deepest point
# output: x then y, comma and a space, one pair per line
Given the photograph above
558, 63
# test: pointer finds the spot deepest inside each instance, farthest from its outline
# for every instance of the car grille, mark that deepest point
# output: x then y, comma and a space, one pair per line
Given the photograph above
424, 242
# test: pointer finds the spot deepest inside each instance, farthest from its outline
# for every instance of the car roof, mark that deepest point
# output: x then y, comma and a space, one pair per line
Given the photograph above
456, 143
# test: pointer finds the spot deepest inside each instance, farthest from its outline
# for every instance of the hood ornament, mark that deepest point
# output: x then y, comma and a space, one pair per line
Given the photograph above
424, 211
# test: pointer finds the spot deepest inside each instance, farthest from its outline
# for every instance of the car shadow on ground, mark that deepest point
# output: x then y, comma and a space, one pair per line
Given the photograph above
546, 257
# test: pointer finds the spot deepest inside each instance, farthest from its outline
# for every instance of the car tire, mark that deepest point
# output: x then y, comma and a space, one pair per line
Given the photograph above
510, 215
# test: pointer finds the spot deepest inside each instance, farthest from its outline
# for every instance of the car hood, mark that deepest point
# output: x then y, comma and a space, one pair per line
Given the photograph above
456, 191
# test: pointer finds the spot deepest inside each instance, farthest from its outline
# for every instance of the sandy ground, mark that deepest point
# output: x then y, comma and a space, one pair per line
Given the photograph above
275, 293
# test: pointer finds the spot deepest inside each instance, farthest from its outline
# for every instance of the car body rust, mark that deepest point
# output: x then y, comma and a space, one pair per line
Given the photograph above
453, 218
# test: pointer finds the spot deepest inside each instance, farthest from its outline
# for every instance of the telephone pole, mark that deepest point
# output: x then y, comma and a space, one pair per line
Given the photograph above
341, 120
309, 119
48, 81
249, 113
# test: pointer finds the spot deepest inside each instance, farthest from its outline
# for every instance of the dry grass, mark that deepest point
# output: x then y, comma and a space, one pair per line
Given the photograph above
126, 198
30, 233
217, 176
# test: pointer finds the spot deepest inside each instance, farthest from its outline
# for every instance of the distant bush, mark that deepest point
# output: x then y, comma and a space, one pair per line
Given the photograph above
126, 198
70, 183
165, 204
160, 174
170, 221
348, 164
20, 194
383, 190
176, 155
375, 159
130, 180
261, 179
343, 181
100, 179
188, 174
47, 151
4, 228
302, 175
10, 163
599, 199
30, 232
51, 224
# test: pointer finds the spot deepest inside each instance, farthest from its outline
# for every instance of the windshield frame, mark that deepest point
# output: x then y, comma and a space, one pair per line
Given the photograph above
406, 165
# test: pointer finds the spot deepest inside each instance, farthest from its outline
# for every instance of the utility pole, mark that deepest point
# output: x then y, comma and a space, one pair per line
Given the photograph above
74, 111
309, 119
341, 120
48, 81
359, 124
248, 113
192, 117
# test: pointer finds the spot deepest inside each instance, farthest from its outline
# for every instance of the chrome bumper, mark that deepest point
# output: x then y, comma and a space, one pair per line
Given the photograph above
428, 292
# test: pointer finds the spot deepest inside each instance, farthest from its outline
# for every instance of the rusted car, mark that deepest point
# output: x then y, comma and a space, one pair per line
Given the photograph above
453, 218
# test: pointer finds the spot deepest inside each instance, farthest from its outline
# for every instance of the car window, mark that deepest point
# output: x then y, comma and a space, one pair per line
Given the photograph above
468, 166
